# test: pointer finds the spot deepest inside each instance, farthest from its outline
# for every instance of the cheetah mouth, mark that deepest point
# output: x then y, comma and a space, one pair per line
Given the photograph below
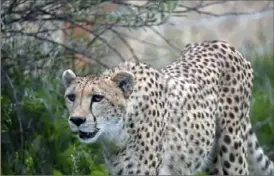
88, 135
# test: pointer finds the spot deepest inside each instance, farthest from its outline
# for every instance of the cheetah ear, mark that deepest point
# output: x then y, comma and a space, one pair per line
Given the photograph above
67, 77
124, 80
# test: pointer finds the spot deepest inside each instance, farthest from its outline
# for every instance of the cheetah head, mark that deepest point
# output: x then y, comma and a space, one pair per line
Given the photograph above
97, 106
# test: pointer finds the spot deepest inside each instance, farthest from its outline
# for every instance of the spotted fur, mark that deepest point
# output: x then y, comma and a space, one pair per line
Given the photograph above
190, 116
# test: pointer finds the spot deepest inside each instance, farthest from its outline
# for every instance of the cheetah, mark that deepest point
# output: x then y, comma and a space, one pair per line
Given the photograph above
191, 116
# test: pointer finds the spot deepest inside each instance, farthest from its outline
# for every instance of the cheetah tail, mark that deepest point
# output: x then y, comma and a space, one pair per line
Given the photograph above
261, 164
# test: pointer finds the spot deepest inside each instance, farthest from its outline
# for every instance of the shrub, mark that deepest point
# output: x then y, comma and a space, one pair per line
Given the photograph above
47, 145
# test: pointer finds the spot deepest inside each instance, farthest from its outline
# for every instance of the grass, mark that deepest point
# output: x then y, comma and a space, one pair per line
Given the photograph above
262, 103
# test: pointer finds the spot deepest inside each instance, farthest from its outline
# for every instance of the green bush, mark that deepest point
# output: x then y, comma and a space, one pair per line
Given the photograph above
47, 145
262, 103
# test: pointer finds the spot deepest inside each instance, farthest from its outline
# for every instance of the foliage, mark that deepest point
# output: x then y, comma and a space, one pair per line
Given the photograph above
43, 20
101, 20
48, 146
262, 104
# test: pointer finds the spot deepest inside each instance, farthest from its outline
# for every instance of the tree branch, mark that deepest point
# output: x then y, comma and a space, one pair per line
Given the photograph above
126, 43
58, 44
166, 40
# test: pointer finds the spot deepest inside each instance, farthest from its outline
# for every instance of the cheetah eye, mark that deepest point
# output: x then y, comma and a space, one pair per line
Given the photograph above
71, 97
97, 98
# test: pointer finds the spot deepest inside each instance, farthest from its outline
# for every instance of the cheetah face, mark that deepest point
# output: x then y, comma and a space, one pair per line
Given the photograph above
97, 105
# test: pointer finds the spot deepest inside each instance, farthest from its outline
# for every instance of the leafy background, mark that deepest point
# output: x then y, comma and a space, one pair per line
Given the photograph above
35, 137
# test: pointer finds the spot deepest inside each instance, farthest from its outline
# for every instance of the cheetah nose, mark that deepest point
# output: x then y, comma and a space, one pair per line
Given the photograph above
77, 120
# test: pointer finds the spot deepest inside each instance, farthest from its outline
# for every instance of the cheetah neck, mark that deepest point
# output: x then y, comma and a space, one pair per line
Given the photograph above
143, 124
115, 138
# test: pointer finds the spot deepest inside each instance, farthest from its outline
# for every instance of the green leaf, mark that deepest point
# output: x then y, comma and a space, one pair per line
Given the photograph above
56, 172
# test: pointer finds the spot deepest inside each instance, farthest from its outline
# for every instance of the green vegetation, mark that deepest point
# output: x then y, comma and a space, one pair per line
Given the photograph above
36, 138
262, 104
47, 145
